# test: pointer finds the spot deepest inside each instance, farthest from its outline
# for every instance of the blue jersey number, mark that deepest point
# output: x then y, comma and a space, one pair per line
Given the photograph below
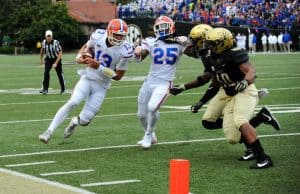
170, 59
105, 59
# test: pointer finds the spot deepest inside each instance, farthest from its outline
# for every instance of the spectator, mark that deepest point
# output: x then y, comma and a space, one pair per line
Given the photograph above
264, 42
286, 39
250, 42
280, 43
254, 40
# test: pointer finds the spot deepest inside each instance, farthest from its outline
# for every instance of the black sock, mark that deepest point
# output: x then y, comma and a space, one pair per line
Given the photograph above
258, 150
256, 121
242, 140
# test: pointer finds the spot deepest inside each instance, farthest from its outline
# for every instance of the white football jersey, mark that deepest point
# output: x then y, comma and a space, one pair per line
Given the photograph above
165, 57
114, 57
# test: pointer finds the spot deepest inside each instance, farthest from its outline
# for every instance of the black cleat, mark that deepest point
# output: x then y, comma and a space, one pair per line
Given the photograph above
44, 91
266, 163
268, 118
249, 155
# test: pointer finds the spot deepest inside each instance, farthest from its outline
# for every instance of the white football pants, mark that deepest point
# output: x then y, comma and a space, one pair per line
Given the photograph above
90, 90
152, 95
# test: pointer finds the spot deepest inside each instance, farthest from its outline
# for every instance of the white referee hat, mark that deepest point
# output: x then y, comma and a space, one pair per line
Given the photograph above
48, 33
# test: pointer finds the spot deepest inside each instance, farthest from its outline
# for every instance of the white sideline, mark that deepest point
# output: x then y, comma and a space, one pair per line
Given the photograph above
109, 183
67, 172
40, 180
30, 164
134, 145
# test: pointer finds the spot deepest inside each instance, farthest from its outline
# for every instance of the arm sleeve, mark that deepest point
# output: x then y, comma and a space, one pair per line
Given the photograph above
209, 94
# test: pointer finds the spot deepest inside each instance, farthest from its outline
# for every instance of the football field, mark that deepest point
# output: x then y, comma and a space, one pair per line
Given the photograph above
104, 158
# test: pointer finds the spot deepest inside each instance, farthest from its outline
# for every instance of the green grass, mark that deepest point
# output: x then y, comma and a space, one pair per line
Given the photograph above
214, 168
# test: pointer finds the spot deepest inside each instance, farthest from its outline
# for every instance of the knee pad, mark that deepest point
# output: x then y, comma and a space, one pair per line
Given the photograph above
212, 125
86, 115
142, 111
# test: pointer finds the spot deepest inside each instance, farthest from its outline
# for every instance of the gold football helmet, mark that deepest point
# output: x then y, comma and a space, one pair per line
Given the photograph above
219, 40
198, 33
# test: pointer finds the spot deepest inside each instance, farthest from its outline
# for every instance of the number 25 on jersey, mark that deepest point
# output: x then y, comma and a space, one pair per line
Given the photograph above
165, 56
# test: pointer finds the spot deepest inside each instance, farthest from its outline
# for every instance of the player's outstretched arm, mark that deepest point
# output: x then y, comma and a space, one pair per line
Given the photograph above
140, 54
200, 81
209, 94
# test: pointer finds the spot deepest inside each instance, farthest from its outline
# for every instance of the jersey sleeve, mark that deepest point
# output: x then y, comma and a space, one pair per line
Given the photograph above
148, 43
127, 54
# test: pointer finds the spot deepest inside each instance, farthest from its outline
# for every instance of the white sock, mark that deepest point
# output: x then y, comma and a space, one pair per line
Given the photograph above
152, 118
60, 116
144, 123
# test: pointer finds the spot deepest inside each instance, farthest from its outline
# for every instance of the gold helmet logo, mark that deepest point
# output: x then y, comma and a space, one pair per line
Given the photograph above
198, 34
219, 39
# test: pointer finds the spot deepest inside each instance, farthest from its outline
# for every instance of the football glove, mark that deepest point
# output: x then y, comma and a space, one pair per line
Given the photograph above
240, 86
195, 108
177, 89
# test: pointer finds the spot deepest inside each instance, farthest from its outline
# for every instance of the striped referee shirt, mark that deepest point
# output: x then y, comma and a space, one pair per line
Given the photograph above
51, 49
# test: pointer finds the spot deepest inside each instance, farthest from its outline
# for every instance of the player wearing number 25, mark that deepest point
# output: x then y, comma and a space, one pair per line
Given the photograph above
165, 51
106, 56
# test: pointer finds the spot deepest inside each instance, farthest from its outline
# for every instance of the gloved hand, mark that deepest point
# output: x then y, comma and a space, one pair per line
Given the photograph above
240, 86
195, 108
177, 89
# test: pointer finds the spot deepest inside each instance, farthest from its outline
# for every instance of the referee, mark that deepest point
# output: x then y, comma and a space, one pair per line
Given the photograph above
52, 49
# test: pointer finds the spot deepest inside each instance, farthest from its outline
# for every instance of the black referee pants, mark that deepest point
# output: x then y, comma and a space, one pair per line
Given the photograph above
59, 72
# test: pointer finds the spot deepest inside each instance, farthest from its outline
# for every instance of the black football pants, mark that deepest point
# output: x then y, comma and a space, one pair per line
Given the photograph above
59, 72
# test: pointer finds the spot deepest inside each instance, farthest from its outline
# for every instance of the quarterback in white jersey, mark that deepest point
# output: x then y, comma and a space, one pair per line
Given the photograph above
165, 52
106, 56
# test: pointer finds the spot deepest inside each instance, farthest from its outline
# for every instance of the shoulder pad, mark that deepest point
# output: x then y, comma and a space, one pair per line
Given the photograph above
237, 56
97, 34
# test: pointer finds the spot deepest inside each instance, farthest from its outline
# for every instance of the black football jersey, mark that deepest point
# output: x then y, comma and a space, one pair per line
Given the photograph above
225, 67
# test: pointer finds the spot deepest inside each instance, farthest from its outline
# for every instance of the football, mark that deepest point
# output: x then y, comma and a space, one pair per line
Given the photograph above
87, 53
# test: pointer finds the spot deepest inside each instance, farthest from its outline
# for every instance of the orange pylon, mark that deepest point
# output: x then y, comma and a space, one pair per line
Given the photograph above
179, 176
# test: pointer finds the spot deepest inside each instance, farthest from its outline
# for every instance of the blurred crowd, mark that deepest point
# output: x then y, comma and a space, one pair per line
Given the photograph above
270, 42
275, 14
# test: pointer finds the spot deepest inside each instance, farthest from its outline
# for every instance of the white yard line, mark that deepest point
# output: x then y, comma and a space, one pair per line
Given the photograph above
67, 172
125, 97
134, 145
134, 114
30, 164
40, 180
277, 78
110, 183
100, 116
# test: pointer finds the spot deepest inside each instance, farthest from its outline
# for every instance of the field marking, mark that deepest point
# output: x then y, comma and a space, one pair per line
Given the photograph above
274, 78
30, 164
125, 97
40, 180
134, 145
164, 112
110, 183
67, 172
35, 91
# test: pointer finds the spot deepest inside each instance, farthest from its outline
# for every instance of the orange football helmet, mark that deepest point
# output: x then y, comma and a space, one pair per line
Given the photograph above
117, 31
163, 26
